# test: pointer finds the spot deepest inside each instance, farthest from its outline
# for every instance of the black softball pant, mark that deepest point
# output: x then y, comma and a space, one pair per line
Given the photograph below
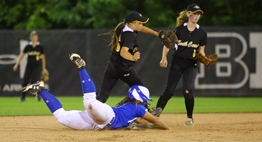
187, 68
32, 75
111, 75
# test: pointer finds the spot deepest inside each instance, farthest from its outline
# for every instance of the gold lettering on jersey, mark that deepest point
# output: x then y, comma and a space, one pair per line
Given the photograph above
33, 53
194, 53
186, 44
117, 49
37, 57
135, 49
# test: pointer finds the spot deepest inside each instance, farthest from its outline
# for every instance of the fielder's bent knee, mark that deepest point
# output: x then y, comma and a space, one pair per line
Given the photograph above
188, 94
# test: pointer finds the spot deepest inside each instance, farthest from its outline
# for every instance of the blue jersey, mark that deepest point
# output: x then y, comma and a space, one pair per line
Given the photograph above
126, 114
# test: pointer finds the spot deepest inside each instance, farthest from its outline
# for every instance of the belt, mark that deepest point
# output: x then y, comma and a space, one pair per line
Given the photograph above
108, 126
187, 59
112, 120
182, 58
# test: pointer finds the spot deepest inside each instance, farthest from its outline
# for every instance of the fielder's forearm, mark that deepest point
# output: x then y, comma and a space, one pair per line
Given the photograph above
43, 62
126, 55
165, 52
19, 59
201, 50
147, 30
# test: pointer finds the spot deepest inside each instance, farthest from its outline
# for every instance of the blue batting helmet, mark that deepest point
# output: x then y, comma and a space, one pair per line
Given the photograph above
139, 93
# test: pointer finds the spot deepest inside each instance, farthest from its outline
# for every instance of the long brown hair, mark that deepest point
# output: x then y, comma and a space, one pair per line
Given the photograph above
126, 100
182, 18
115, 35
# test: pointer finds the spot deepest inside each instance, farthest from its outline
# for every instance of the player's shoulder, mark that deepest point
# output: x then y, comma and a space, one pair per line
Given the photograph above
28, 47
200, 28
129, 34
180, 28
41, 46
202, 31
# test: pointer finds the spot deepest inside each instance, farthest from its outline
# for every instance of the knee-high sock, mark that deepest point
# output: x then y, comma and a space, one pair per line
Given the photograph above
51, 101
87, 83
189, 102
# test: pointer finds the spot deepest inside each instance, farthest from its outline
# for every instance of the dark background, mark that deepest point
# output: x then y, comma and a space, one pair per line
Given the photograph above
64, 78
67, 26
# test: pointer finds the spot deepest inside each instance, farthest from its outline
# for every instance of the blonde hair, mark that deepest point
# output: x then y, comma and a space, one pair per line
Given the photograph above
115, 35
182, 18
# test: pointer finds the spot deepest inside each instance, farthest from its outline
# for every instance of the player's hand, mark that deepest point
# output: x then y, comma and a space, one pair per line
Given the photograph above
15, 67
45, 71
163, 63
136, 56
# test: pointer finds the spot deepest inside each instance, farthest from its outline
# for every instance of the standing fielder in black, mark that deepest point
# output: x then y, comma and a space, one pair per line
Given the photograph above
36, 62
124, 54
191, 40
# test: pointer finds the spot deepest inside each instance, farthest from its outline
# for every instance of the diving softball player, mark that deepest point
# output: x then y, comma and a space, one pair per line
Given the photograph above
191, 40
97, 115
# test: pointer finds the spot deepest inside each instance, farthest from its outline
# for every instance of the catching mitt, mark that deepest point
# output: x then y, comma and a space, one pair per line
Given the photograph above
207, 60
168, 38
44, 76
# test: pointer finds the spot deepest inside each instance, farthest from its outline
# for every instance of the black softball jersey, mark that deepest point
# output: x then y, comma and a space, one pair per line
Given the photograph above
128, 39
34, 54
189, 41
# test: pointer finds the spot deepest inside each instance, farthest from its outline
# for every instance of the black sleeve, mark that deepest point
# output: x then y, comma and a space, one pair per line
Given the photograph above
42, 50
128, 40
26, 49
203, 41
176, 30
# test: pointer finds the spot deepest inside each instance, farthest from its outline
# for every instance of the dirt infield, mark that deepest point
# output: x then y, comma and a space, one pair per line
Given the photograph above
208, 127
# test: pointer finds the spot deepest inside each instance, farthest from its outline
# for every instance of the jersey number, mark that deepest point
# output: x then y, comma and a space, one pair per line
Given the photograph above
194, 53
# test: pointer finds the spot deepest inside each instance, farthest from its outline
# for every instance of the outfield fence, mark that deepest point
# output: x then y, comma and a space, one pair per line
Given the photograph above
236, 73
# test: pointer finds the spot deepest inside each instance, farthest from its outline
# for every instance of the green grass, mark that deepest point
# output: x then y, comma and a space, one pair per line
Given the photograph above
9, 106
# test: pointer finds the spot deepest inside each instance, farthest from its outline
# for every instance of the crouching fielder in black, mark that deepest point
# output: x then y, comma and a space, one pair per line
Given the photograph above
125, 54
191, 39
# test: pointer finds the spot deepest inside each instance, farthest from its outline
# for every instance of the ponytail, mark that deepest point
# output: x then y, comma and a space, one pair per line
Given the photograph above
115, 35
182, 18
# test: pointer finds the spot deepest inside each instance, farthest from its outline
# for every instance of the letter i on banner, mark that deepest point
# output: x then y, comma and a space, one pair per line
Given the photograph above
255, 78
23, 43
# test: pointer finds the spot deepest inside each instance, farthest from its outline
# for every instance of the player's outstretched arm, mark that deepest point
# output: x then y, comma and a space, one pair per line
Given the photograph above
156, 121
149, 31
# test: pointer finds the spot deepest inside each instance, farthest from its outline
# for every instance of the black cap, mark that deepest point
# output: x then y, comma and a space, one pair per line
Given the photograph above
194, 8
135, 16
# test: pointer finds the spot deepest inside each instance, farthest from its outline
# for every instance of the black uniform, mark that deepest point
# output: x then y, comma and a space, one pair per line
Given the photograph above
184, 63
120, 68
34, 65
